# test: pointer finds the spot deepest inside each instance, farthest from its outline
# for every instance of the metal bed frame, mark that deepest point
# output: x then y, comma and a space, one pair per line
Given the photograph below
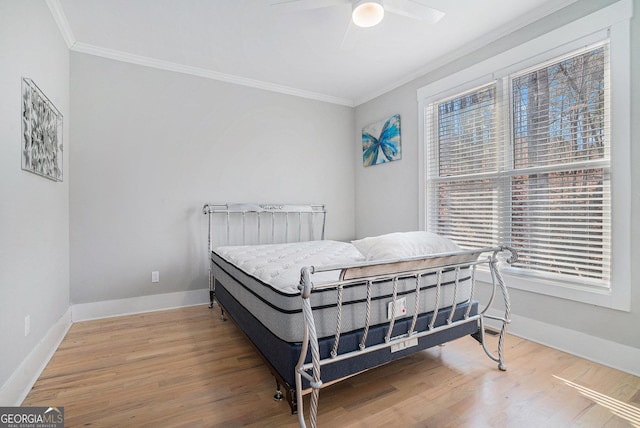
400, 336
314, 216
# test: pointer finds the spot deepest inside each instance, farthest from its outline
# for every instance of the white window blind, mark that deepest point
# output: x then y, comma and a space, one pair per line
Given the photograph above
542, 185
463, 167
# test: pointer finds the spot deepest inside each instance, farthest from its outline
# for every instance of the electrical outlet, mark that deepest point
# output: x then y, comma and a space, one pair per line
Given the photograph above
27, 325
155, 276
401, 308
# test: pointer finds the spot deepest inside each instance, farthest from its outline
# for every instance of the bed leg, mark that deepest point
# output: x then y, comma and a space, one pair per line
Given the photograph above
291, 396
212, 289
477, 336
480, 337
291, 399
222, 317
278, 395
501, 364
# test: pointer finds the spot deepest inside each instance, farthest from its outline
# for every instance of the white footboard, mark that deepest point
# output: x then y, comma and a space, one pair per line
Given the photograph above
418, 269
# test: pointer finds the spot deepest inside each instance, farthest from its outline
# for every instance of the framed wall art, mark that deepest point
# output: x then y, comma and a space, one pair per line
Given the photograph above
41, 133
381, 141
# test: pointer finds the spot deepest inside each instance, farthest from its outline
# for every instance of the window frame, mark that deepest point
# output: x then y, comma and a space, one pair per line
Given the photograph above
612, 23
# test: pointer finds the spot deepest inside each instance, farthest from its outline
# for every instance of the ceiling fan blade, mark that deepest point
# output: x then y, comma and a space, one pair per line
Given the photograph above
293, 5
413, 9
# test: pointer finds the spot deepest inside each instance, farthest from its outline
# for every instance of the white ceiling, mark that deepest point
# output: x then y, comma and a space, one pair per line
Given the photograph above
292, 51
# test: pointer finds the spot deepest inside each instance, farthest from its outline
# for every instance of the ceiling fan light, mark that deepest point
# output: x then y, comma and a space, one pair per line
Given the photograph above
367, 13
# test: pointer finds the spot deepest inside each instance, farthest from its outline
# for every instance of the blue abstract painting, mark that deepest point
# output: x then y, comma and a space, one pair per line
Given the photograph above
381, 141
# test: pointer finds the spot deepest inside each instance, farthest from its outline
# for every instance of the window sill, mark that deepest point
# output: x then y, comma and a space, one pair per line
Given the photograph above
597, 296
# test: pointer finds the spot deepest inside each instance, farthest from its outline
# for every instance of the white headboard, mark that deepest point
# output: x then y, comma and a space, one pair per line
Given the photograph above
244, 224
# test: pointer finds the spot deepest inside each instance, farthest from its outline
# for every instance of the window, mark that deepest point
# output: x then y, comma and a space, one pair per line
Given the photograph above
560, 181
524, 153
547, 195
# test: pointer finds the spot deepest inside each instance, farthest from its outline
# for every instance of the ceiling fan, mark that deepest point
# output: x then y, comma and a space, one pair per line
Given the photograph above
368, 13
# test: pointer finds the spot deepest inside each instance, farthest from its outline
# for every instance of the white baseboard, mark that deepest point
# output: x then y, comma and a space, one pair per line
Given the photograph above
137, 305
596, 349
16, 388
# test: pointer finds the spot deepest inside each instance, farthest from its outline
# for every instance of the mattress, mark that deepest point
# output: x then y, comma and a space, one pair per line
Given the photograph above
266, 279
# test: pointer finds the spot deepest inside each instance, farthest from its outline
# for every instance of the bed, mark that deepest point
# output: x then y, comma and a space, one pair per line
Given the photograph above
319, 310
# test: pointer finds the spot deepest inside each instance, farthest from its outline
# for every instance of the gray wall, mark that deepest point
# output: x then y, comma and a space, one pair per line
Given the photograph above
149, 147
387, 196
34, 213
152, 146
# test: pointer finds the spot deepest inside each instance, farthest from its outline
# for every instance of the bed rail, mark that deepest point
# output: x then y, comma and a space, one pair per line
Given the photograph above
374, 273
244, 224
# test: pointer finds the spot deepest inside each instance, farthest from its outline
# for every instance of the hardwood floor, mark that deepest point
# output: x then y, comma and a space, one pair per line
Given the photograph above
185, 367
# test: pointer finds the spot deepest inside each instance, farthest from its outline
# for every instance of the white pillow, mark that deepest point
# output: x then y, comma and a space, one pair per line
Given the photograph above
403, 244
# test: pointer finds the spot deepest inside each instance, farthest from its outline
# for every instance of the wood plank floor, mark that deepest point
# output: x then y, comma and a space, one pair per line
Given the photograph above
187, 368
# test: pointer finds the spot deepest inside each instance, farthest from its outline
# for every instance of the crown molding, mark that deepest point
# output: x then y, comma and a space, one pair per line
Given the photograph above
202, 72
468, 48
73, 45
61, 20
